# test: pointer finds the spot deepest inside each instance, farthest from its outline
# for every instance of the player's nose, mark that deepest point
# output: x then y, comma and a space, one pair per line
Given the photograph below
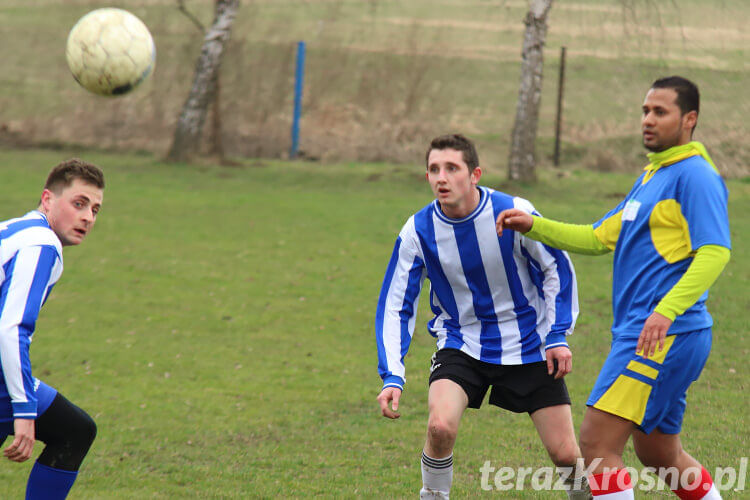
88, 216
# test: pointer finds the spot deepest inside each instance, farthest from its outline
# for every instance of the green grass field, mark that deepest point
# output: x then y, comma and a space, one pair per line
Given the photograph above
218, 326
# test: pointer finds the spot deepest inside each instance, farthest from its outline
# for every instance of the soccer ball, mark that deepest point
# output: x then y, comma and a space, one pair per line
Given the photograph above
110, 51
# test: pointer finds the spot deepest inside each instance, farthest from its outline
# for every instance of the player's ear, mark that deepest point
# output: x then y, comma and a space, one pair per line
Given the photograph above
45, 200
476, 174
690, 119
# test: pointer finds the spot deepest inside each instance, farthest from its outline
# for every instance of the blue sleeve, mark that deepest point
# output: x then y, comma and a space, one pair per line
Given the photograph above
396, 311
566, 300
26, 286
703, 201
559, 289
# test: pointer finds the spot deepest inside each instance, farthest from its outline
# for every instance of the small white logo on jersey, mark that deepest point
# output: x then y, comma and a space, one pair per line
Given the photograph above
630, 210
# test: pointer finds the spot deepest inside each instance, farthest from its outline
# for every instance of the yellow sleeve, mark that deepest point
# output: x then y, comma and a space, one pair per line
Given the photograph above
707, 265
579, 238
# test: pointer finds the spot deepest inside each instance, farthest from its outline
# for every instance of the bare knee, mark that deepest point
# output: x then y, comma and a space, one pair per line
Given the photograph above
566, 453
441, 433
657, 456
597, 443
589, 442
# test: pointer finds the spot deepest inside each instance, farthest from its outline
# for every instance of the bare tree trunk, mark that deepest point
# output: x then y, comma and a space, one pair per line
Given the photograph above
190, 124
215, 145
522, 163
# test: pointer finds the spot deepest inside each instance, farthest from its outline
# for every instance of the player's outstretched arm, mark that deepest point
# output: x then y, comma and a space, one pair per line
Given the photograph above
564, 359
514, 219
23, 443
386, 396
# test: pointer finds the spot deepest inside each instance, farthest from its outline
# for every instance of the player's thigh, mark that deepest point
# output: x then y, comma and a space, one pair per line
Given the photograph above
604, 432
447, 401
555, 427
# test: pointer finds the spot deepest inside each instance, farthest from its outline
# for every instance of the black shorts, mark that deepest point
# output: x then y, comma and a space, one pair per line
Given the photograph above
518, 388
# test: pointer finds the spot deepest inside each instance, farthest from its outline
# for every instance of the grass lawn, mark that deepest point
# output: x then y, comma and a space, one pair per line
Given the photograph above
218, 325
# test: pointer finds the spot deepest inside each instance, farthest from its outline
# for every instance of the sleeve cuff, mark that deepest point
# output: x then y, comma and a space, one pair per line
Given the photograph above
666, 311
555, 340
393, 381
24, 410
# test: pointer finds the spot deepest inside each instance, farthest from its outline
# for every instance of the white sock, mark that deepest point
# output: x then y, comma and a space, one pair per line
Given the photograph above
713, 494
617, 495
437, 477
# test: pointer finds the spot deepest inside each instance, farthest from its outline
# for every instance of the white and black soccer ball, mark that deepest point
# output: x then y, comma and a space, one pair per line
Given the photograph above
110, 51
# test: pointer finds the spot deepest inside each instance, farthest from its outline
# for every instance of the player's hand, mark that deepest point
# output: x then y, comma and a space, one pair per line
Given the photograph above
653, 334
388, 395
514, 219
564, 359
23, 444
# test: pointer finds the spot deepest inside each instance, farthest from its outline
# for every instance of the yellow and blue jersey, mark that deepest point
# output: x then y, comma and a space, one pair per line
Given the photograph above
670, 212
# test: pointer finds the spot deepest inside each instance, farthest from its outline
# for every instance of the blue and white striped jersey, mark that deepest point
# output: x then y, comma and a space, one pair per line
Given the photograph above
30, 264
499, 300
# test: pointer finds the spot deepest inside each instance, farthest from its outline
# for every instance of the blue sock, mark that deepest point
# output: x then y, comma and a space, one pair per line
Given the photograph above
46, 483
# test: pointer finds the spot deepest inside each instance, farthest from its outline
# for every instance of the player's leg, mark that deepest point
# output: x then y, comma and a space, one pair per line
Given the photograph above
657, 441
447, 402
682, 473
603, 439
456, 382
67, 432
530, 388
616, 405
555, 427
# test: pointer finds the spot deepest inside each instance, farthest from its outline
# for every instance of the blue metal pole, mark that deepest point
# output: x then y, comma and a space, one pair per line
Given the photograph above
298, 85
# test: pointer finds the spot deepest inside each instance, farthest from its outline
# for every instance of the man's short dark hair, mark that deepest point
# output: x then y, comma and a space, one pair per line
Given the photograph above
66, 172
459, 143
688, 97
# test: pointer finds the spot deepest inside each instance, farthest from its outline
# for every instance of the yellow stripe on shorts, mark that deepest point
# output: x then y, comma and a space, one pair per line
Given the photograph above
642, 369
659, 356
626, 398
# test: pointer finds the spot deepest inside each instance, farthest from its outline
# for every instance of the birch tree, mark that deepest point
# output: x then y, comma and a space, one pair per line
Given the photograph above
193, 116
522, 162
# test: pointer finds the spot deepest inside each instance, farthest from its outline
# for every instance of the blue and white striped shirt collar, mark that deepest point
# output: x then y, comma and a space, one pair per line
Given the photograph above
483, 197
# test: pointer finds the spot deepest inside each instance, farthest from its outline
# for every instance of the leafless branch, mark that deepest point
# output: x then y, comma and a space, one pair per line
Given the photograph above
195, 20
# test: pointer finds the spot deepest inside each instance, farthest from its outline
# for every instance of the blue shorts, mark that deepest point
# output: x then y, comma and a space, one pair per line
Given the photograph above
651, 391
45, 394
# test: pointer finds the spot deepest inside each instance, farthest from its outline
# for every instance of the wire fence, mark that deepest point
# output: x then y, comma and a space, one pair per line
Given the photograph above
383, 77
